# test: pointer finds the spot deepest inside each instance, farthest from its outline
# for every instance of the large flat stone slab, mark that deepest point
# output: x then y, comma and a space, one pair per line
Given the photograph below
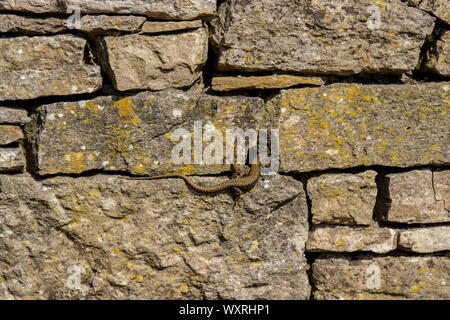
343, 198
333, 37
32, 67
99, 24
344, 126
371, 277
124, 244
414, 197
13, 115
351, 239
159, 9
154, 62
170, 26
134, 133
262, 82
16, 23
441, 183
36, 6
94, 24
425, 240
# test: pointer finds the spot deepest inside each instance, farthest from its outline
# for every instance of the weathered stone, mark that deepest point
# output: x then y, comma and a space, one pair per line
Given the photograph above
11, 159
125, 244
262, 82
350, 239
343, 198
13, 115
167, 26
160, 9
340, 36
134, 133
372, 277
343, 126
437, 58
31, 25
410, 197
36, 6
154, 62
425, 240
10, 134
34, 256
32, 67
102, 23
441, 187
439, 8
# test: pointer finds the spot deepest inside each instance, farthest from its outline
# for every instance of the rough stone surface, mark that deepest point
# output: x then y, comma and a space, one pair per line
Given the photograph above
262, 82
350, 239
160, 9
339, 36
437, 58
410, 197
154, 62
11, 159
425, 240
32, 67
13, 115
389, 277
36, 6
168, 26
441, 187
103, 23
364, 149
133, 133
125, 244
97, 24
10, 134
343, 126
343, 198
439, 8
34, 256
31, 25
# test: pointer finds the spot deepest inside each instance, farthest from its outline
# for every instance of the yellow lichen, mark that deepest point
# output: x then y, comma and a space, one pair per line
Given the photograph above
420, 285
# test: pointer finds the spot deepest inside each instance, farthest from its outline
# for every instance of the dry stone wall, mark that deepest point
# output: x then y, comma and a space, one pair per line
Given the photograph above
94, 91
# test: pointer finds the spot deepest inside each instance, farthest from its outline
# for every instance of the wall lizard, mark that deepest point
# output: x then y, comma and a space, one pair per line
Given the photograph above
236, 184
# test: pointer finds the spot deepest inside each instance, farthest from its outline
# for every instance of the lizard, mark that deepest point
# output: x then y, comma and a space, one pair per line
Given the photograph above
235, 184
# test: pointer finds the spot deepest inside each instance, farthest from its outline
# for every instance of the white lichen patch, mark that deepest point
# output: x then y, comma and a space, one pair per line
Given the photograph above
177, 113
332, 152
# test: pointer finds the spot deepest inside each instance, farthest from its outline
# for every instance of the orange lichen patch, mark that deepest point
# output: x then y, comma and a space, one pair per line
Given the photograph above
395, 45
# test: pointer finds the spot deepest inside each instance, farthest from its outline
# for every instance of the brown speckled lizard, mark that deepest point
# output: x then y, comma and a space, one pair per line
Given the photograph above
235, 184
